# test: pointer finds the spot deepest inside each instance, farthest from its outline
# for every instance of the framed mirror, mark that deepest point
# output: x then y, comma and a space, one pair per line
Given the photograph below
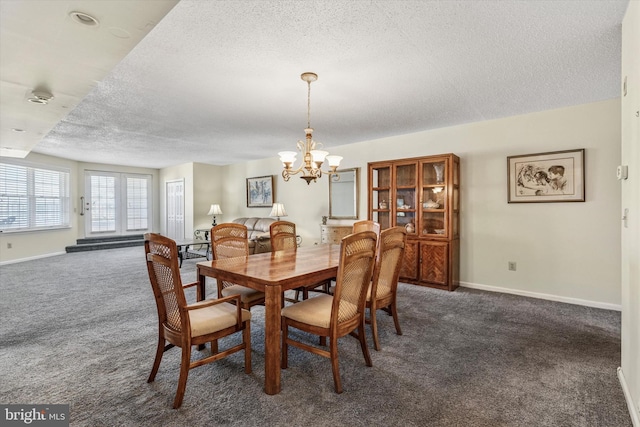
344, 194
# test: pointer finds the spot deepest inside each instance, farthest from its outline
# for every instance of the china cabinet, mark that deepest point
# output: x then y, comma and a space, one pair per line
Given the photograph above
421, 194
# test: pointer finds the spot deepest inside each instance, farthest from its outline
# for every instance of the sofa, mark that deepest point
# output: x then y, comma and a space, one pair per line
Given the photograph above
258, 233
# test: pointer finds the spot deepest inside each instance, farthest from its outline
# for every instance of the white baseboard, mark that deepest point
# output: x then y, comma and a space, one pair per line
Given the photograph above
633, 411
577, 301
15, 261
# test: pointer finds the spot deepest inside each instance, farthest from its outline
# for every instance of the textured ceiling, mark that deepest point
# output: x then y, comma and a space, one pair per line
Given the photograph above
42, 48
218, 82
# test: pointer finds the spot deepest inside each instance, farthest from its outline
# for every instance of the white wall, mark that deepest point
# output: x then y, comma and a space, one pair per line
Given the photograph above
570, 251
207, 190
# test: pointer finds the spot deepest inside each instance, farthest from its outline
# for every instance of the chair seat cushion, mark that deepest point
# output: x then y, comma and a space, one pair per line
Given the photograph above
313, 311
246, 294
214, 318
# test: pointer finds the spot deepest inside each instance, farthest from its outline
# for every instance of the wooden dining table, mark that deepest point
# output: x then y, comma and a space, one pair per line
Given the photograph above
273, 273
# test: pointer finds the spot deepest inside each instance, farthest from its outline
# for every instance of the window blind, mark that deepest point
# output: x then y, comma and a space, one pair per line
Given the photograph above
33, 198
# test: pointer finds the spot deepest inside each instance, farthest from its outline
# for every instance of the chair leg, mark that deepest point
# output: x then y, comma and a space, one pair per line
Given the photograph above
323, 341
335, 366
184, 374
246, 339
284, 362
156, 362
394, 313
363, 344
214, 347
374, 328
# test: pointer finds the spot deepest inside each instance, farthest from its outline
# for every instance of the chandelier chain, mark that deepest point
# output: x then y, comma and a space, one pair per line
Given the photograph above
308, 104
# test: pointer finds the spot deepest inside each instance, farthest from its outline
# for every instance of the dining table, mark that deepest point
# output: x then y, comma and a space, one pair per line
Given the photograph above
273, 273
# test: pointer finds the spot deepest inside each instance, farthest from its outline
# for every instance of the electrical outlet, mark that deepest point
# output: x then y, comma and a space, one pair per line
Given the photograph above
512, 266
9, 245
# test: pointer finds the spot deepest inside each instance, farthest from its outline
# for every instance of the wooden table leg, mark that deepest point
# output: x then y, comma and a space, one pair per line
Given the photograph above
200, 290
273, 304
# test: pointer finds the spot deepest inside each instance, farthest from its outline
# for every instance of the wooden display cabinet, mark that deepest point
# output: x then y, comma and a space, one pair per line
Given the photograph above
421, 194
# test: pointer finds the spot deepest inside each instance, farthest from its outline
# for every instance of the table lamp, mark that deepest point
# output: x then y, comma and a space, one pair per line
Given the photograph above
213, 211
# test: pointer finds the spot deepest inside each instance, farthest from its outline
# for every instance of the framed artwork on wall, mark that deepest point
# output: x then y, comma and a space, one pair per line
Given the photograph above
556, 176
260, 191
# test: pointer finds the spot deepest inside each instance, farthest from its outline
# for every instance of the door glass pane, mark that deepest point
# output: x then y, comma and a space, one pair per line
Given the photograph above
103, 203
406, 176
433, 222
380, 196
382, 218
137, 208
382, 177
433, 173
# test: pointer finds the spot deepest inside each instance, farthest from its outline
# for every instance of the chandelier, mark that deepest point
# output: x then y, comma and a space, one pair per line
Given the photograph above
313, 158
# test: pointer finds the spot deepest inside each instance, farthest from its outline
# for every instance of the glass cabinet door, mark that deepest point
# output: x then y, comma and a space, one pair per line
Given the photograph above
406, 201
380, 196
434, 198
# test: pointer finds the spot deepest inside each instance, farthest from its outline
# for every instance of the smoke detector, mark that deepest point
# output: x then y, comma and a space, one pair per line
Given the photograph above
40, 97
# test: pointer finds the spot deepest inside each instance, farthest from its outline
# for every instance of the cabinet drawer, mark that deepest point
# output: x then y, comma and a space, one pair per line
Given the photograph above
334, 233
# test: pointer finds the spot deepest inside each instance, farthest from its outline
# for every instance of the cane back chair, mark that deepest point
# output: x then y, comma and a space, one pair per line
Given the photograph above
186, 325
336, 315
230, 240
384, 286
367, 225
283, 236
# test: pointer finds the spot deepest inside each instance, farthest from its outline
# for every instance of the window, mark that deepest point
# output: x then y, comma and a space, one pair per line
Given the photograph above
32, 197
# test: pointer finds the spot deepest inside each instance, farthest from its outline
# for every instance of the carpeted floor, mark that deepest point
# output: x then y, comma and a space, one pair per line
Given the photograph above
80, 329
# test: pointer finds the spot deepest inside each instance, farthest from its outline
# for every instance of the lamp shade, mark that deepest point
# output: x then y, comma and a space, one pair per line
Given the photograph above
277, 210
334, 160
287, 157
215, 210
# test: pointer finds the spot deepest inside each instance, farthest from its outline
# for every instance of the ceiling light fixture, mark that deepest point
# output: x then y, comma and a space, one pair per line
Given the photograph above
313, 158
40, 97
84, 19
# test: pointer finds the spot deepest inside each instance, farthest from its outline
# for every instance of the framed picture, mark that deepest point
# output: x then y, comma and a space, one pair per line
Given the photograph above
260, 191
556, 176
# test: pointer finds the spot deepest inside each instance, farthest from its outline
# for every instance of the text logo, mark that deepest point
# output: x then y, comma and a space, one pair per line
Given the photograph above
35, 415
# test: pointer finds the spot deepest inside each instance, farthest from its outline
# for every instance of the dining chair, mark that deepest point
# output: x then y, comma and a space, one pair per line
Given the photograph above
340, 314
230, 240
384, 285
283, 236
186, 325
367, 225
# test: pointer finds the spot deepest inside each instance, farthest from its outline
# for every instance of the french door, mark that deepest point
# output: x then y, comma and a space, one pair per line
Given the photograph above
116, 203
